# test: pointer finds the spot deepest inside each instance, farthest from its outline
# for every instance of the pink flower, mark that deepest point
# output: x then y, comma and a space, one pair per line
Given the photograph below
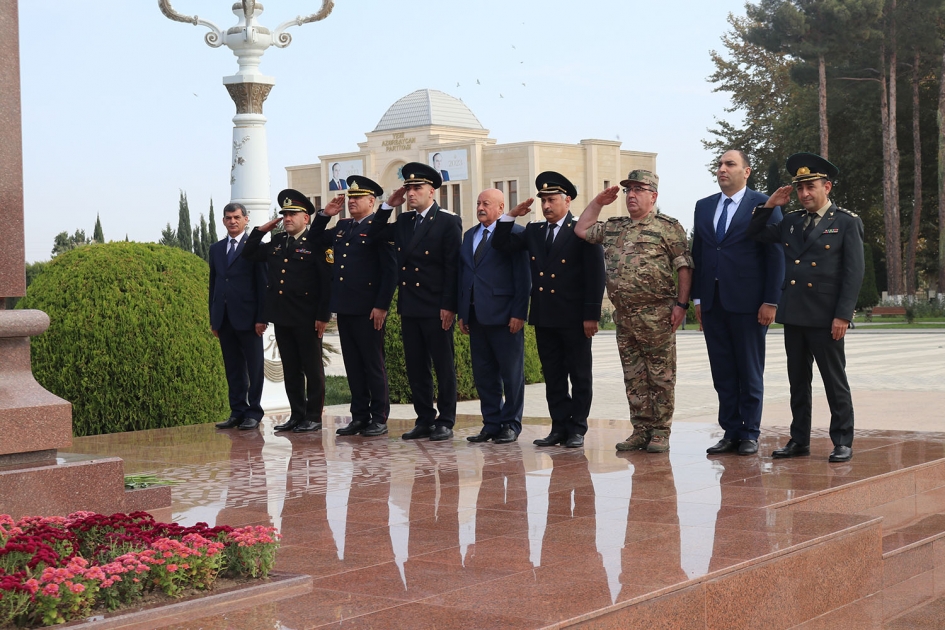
171, 568
32, 585
51, 590
76, 588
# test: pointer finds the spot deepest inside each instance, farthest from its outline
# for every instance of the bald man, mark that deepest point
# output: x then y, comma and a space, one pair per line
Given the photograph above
493, 303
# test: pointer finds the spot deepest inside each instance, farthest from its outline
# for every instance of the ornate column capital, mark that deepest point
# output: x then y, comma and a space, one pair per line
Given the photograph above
249, 97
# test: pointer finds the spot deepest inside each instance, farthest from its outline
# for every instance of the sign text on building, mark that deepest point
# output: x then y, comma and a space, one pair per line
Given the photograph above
398, 142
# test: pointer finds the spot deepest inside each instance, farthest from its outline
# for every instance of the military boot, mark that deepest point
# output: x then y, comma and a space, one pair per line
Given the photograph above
659, 442
637, 441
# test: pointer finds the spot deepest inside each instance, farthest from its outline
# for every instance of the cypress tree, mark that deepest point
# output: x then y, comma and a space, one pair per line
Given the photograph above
168, 236
184, 235
97, 235
213, 224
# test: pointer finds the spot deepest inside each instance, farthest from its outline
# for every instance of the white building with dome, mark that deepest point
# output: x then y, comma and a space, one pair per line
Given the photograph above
435, 128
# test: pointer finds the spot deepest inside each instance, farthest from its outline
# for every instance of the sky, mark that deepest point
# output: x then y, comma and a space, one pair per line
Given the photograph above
123, 108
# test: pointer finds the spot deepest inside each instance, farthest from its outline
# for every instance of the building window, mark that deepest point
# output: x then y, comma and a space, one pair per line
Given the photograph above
500, 186
317, 202
456, 200
445, 197
606, 183
513, 193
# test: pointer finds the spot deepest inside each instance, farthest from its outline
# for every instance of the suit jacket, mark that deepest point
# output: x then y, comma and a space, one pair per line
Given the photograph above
237, 290
822, 276
567, 283
364, 274
299, 280
337, 184
427, 259
499, 282
750, 273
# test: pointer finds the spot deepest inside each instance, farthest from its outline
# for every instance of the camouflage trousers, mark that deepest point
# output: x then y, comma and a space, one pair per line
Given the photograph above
647, 348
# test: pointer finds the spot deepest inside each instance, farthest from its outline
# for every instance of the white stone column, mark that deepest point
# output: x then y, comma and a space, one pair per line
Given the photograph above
249, 168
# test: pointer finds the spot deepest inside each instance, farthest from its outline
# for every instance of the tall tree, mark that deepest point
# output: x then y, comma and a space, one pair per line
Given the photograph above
97, 235
888, 109
814, 30
184, 235
168, 237
213, 224
63, 242
913, 242
941, 180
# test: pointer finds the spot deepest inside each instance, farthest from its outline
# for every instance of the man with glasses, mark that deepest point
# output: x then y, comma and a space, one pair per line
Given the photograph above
567, 287
237, 298
641, 252
427, 243
362, 286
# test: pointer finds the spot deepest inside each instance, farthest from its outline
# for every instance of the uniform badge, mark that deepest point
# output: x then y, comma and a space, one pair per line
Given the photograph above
330, 256
792, 229
832, 231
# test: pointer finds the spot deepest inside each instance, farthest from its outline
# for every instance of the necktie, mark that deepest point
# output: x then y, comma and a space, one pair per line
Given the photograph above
416, 224
723, 219
551, 237
811, 219
290, 243
231, 254
481, 248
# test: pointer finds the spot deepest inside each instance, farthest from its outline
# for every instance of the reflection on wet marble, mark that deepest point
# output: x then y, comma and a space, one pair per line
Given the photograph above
485, 535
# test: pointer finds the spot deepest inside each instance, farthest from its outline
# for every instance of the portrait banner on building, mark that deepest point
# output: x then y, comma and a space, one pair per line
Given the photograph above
339, 171
452, 165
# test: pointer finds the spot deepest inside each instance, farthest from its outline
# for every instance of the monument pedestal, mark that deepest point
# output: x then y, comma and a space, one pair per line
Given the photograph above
35, 478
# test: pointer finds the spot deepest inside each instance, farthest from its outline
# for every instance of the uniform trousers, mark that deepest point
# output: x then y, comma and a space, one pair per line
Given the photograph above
362, 348
243, 363
304, 374
647, 347
426, 341
565, 353
804, 344
498, 367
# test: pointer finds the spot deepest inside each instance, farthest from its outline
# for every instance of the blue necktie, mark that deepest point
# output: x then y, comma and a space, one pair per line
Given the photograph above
231, 255
720, 228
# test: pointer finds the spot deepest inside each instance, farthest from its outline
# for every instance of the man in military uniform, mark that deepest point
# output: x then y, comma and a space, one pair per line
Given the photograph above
567, 288
641, 252
427, 245
362, 286
823, 252
297, 303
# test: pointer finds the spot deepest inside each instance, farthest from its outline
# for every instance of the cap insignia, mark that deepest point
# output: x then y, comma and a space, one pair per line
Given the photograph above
286, 202
354, 185
803, 171
411, 176
545, 185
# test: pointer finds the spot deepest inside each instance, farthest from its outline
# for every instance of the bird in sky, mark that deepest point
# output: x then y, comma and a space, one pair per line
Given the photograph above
500, 96
523, 85
477, 82
457, 84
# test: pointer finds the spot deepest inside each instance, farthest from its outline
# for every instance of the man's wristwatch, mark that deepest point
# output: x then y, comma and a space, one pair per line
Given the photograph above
684, 307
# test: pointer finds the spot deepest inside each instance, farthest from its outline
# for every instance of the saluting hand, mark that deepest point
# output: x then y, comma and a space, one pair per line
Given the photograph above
607, 196
397, 197
334, 206
522, 209
267, 227
781, 197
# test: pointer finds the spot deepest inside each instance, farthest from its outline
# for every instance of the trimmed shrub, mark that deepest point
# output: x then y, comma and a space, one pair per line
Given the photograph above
129, 342
465, 386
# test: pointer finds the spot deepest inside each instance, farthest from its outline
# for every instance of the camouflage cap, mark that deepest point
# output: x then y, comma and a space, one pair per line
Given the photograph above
642, 176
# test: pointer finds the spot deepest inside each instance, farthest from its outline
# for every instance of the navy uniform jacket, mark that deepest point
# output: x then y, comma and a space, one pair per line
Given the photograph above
822, 276
238, 289
299, 280
363, 275
568, 284
749, 273
499, 283
427, 259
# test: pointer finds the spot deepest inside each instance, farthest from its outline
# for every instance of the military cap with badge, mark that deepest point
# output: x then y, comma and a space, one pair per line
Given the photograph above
805, 167
419, 173
360, 186
291, 200
552, 183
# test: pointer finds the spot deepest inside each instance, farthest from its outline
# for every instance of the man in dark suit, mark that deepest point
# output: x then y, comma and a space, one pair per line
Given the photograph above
427, 243
362, 286
736, 286
437, 161
567, 288
297, 303
493, 304
237, 298
823, 253
336, 183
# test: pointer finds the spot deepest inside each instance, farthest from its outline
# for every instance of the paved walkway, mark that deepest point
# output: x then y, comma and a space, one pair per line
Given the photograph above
897, 378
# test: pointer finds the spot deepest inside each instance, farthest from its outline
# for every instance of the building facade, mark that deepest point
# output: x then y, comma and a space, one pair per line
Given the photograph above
435, 128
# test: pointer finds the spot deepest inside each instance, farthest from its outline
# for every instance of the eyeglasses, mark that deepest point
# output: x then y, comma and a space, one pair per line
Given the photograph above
636, 190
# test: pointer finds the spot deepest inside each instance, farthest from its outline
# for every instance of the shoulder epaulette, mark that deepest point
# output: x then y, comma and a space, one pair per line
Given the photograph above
850, 212
796, 210
667, 218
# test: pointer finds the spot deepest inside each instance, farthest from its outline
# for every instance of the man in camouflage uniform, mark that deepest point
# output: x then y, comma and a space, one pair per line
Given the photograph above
641, 251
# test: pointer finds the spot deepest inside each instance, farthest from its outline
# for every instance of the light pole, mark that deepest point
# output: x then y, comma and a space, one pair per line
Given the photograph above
249, 169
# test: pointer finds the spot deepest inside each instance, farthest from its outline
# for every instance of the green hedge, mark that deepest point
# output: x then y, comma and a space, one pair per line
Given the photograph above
129, 342
465, 387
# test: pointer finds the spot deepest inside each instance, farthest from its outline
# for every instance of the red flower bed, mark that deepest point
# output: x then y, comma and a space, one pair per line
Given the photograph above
55, 569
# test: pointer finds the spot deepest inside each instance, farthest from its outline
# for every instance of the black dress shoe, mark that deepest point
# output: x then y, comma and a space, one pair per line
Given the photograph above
482, 436
575, 441
551, 440
353, 428
506, 435
441, 433
290, 424
841, 454
307, 425
791, 449
419, 431
248, 424
374, 429
723, 446
748, 447
229, 423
